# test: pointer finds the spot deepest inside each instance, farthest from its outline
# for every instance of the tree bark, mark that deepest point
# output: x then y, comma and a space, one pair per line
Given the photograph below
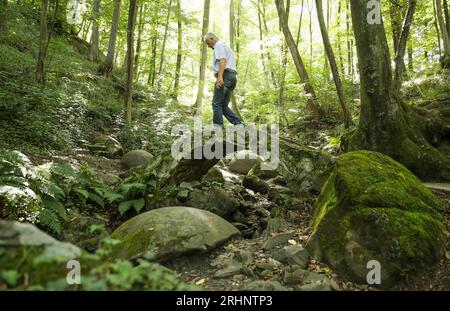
297, 41
401, 48
313, 105
203, 49
232, 31
107, 66
385, 123
179, 53
129, 59
43, 39
284, 53
93, 55
140, 26
444, 33
163, 48
333, 65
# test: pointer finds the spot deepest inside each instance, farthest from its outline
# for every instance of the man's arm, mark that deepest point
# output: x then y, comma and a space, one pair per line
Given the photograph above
222, 63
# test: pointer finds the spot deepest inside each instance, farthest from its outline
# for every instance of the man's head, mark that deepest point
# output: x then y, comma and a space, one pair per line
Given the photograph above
211, 39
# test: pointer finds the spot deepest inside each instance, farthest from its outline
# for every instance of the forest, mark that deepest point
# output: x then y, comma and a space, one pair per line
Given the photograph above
329, 172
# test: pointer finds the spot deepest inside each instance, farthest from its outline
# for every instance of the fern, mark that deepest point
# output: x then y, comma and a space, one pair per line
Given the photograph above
50, 219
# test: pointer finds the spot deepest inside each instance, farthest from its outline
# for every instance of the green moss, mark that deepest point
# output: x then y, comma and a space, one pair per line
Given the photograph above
374, 208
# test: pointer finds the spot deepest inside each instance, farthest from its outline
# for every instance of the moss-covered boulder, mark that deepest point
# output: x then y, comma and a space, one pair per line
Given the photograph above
27, 251
137, 158
171, 232
373, 208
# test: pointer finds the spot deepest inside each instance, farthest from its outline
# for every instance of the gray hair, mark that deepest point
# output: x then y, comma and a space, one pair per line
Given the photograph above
209, 36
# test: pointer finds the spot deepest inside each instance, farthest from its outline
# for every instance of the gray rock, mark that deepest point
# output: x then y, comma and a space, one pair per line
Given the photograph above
137, 158
255, 184
243, 256
295, 275
278, 240
315, 287
171, 232
243, 162
38, 255
106, 146
216, 200
293, 255
214, 175
264, 286
231, 270
183, 195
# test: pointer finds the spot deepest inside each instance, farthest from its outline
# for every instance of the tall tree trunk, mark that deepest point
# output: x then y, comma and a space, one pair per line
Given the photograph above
385, 125
436, 26
444, 33
129, 59
3, 15
163, 48
333, 65
339, 47
262, 10
313, 105
401, 48
447, 16
284, 53
93, 55
152, 71
297, 41
141, 25
179, 53
43, 39
261, 45
232, 31
201, 82
396, 15
107, 66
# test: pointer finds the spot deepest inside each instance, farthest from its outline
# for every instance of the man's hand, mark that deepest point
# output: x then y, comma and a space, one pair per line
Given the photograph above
219, 82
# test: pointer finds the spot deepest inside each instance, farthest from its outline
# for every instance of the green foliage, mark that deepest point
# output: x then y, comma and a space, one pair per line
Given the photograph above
50, 189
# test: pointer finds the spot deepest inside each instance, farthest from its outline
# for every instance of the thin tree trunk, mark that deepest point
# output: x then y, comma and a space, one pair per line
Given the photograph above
339, 47
436, 26
179, 53
141, 25
313, 105
444, 33
201, 82
43, 39
401, 48
269, 58
297, 41
261, 46
232, 31
447, 16
284, 53
396, 15
129, 59
163, 48
333, 65
93, 55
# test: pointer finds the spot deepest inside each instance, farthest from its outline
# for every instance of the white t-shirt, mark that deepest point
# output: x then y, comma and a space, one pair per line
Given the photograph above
222, 50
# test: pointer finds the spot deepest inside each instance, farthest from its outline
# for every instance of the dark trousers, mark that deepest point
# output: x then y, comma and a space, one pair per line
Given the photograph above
222, 98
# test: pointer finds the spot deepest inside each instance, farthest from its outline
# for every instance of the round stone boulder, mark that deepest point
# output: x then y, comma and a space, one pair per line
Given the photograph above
243, 162
170, 232
137, 158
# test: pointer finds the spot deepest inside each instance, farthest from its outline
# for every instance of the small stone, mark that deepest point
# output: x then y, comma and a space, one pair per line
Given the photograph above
264, 286
294, 276
293, 255
229, 271
278, 240
243, 256
316, 287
